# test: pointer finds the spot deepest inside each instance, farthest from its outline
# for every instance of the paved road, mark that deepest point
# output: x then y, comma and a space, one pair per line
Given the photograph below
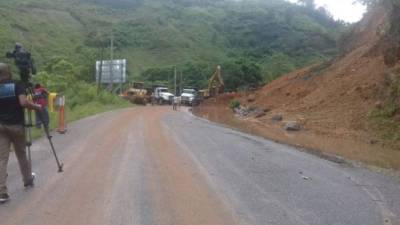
153, 166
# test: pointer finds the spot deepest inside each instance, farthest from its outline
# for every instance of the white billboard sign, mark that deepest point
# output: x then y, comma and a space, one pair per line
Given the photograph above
111, 71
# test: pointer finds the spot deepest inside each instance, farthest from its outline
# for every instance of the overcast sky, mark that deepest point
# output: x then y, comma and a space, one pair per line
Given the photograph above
342, 9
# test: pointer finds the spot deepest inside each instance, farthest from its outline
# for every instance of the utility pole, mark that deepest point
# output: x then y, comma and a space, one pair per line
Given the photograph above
121, 77
180, 83
112, 61
100, 69
175, 80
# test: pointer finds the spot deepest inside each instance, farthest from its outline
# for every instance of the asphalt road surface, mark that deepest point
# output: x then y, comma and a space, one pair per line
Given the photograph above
153, 166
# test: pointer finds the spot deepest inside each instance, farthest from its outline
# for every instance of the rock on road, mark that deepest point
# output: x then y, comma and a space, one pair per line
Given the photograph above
153, 166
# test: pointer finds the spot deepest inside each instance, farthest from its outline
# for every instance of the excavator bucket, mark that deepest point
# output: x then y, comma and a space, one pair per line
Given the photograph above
216, 84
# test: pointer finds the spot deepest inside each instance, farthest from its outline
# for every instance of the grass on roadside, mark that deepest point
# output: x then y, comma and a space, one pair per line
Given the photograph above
386, 119
386, 126
77, 113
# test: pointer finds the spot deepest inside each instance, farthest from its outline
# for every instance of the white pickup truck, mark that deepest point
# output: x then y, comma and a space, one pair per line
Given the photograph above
161, 95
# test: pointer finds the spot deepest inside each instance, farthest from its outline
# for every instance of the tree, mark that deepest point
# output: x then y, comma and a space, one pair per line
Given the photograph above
241, 74
368, 3
158, 76
310, 4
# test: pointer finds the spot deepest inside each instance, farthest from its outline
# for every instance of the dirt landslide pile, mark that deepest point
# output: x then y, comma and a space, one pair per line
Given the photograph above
333, 104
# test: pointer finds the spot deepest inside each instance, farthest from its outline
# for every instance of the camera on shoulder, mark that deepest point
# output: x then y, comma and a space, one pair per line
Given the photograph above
23, 61
9, 55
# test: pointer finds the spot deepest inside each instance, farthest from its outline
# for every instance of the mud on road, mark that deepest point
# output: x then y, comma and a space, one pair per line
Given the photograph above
150, 165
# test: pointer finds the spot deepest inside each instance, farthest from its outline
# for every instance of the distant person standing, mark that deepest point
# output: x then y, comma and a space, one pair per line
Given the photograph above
41, 98
12, 101
175, 103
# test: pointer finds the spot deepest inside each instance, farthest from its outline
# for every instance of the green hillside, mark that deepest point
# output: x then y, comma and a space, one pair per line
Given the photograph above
155, 34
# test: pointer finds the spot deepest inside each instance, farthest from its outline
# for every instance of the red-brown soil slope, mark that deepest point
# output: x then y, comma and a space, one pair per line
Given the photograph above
331, 101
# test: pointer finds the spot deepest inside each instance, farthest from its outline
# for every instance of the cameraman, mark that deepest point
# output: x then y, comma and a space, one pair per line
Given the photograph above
23, 61
12, 101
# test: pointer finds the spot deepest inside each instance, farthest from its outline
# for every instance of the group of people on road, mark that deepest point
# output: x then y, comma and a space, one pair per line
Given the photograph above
13, 102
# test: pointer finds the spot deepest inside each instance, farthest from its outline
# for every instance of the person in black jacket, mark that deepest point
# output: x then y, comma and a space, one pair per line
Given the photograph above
12, 101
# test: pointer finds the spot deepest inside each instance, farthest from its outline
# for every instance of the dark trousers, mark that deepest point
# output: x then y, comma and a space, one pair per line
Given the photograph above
42, 118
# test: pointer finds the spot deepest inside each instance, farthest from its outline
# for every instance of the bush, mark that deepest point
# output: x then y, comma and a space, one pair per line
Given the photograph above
62, 78
387, 112
385, 120
233, 104
241, 74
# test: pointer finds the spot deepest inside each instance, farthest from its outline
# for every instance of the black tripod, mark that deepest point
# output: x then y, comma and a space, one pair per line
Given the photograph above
28, 131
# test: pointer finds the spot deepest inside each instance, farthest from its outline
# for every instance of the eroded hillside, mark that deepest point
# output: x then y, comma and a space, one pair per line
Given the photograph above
348, 106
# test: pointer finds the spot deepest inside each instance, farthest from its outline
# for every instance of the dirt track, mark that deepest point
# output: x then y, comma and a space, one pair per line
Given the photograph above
152, 166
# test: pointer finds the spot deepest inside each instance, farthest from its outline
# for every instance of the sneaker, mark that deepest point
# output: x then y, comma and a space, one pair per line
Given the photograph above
4, 198
30, 182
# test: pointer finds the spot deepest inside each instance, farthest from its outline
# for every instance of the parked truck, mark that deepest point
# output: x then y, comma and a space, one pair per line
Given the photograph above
189, 97
161, 95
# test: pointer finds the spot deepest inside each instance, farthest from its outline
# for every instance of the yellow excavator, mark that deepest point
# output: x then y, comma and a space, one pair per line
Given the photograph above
216, 85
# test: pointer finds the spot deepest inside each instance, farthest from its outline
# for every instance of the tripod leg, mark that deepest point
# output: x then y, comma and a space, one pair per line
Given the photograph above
59, 164
28, 135
49, 137
47, 132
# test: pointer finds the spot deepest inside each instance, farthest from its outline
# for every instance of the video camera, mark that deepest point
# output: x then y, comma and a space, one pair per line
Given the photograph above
23, 61
9, 55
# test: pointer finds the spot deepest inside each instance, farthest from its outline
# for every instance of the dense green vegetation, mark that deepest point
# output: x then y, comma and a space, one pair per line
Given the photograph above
387, 116
154, 35
82, 98
238, 74
63, 78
